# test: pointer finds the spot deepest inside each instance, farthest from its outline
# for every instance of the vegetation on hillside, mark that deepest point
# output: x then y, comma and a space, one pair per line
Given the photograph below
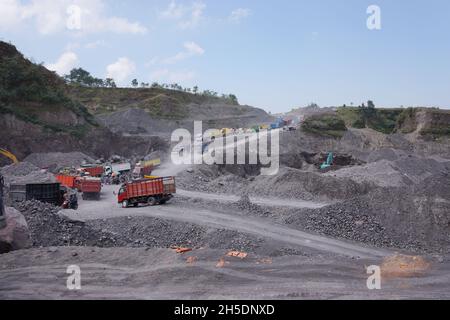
81, 77
27, 89
326, 124
382, 120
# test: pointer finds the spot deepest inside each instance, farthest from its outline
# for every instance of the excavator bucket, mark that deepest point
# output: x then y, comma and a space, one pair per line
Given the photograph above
9, 155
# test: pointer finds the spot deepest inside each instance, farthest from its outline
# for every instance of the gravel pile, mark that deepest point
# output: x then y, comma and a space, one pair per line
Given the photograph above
234, 240
382, 173
19, 169
288, 183
152, 232
404, 171
348, 220
246, 205
56, 160
48, 228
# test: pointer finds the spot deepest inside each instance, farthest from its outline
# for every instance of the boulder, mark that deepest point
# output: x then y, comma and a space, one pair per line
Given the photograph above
15, 235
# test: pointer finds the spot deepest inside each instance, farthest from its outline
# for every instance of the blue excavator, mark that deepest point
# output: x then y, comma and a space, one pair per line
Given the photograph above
328, 162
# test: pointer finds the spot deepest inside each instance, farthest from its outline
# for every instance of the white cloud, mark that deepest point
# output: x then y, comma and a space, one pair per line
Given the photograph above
187, 16
193, 48
171, 76
239, 14
159, 74
52, 16
66, 62
95, 44
173, 11
181, 76
152, 62
11, 14
190, 49
121, 70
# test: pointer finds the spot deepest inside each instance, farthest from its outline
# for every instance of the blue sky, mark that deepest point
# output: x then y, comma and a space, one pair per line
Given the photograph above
272, 54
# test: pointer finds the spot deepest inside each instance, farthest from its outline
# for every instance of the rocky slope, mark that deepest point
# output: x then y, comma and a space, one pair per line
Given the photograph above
156, 111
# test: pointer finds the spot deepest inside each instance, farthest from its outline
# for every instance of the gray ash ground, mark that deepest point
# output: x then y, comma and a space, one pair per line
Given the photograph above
48, 228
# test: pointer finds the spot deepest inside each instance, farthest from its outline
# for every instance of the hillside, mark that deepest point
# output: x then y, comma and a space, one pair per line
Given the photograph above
157, 111
426, 123
38, 115
33, 94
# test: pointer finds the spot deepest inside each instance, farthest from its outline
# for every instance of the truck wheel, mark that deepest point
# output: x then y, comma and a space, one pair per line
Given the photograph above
151, 201
135, 204
125, 204
163, 201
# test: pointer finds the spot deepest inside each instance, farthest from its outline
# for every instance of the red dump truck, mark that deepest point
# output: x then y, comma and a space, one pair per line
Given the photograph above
91, 188
147, 191
94, 171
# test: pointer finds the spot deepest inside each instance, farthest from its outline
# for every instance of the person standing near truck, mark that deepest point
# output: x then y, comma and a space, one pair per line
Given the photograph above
2, 207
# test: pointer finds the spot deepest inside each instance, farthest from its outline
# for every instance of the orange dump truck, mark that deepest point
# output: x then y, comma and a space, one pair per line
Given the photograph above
72, 182
91, 188
148, 191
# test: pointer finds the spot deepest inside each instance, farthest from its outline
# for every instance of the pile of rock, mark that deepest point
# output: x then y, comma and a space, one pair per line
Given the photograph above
56, 160
49, 228
25, 172
14, 235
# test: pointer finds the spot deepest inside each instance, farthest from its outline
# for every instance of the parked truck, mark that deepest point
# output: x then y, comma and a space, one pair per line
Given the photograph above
147, 191
91, 188
44, 192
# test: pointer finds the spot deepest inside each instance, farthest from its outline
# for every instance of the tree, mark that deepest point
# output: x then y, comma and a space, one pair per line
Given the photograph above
109, 83
79, 76
370, 104
82, 77
134, 83
233, 99
313, 105
195, 89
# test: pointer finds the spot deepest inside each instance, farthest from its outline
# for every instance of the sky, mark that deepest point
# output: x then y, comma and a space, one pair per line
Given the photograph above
276, 55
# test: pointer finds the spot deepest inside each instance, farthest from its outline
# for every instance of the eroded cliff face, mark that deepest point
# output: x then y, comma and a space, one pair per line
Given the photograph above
24, 138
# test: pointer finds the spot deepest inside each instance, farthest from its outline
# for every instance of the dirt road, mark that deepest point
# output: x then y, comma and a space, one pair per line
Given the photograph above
109, 208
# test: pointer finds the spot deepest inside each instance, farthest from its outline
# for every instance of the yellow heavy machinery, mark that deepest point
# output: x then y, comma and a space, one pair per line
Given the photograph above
9, 155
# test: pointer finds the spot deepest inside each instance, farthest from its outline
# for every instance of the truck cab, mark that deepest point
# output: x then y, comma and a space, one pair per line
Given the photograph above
122, 194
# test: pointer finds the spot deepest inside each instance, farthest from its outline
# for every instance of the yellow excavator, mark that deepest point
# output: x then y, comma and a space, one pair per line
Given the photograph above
9, 155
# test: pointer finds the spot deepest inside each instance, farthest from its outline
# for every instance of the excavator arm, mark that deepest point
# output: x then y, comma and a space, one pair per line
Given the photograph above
9, 155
